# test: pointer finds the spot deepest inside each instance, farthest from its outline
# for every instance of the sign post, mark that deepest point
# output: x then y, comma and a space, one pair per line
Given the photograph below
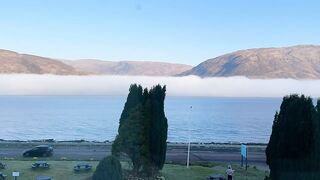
15, 175
244, 155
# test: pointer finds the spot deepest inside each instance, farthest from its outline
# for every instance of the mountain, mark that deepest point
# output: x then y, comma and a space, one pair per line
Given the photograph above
12, 62
297, 62
146, 68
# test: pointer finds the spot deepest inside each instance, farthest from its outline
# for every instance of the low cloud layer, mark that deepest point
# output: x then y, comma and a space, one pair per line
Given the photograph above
22, 84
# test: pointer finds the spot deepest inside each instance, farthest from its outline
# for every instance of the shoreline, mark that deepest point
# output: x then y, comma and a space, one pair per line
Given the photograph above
110, 142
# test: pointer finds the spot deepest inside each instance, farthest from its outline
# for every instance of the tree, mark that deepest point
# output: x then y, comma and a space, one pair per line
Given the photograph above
130, 139
158, 126
134, 98
292, 142
143, 127
317, 139
109, 168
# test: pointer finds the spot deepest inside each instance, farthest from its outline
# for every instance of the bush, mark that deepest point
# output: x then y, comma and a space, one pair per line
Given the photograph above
109, 168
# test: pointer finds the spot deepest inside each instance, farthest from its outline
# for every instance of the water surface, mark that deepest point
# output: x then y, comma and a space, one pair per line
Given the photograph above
97, 117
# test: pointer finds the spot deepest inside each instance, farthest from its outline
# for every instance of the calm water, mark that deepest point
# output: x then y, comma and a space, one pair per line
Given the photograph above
96, 118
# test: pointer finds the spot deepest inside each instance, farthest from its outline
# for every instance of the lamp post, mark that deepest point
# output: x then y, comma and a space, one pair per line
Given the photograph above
188, 156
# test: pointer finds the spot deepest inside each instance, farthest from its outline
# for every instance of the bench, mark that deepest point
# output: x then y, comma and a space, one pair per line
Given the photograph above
44, 178
40, 164
216, 176
2, 176
2, 165
82, 167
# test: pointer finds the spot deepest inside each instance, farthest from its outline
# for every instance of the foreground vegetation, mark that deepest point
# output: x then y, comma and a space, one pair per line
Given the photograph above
61, 170
294, 146
143, 129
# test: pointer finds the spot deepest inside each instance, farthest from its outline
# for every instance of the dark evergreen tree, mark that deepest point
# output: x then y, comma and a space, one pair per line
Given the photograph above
143, 127
292, 142
133, 100
130, 132
158, 127
317, 140
131, 139
109, 168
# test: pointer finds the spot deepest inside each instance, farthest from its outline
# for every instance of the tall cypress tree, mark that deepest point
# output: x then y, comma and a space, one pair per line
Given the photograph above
143, 127
133, 103
133, 100
158, 127
292, 142
317, 139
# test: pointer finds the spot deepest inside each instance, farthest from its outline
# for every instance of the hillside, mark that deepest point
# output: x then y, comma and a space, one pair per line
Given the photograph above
12, 62
146, 68
297, 62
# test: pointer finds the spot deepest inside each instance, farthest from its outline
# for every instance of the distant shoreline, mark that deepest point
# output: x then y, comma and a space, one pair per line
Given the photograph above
110, 142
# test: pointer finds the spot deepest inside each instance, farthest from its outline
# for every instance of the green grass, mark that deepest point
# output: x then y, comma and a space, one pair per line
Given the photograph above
178, 172
63, 170
60, 170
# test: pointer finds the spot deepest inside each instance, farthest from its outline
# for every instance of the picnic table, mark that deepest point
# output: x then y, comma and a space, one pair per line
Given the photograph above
216, 176
40, 164
83, 166
2, 176
44, 178
2, 165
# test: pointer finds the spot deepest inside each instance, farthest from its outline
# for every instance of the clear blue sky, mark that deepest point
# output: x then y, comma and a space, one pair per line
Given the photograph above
167, 30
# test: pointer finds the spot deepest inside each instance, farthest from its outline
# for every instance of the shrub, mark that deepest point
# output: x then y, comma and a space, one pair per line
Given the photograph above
109, 168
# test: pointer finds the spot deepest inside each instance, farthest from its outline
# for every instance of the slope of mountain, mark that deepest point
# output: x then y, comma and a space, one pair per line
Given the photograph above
146, 68
297, 62
12, 62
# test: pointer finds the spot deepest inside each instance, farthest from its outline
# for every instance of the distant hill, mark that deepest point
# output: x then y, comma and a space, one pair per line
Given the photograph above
297, 62
146, 68
12, 62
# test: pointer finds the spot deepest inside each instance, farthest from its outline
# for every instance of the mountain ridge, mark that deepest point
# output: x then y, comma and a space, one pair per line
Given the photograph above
296, 62
147, 68
12, 62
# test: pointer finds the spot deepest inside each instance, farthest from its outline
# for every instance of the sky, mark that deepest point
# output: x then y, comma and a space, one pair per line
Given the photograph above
176, 31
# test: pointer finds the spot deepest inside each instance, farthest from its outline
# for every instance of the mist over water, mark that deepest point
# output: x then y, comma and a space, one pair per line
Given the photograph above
24, 84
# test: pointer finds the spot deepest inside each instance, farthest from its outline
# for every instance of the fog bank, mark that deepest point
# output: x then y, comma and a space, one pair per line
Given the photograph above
23, 84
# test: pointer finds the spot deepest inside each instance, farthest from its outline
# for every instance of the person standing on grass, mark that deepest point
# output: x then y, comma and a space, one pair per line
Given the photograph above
229, 172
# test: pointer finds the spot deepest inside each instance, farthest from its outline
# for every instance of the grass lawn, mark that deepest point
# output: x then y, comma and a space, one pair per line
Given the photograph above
178, 172
63, 170
60, 170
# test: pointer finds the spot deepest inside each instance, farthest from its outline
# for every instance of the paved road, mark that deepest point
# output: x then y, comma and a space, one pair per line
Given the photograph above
175, 153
